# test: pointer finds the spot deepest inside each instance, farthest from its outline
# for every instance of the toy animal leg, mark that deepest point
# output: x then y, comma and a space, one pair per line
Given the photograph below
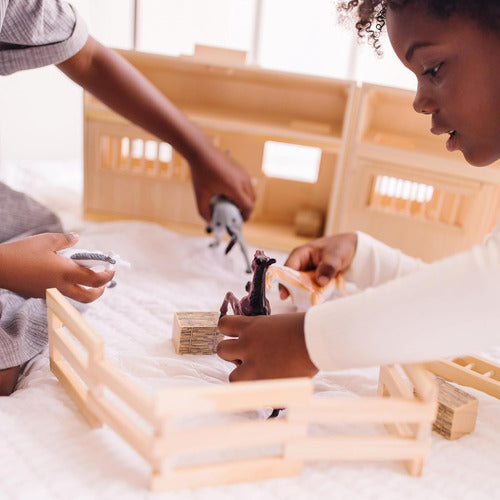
230, 299
216, 241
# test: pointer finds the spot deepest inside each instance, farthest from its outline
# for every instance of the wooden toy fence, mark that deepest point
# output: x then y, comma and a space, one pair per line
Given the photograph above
379, 168
155, 425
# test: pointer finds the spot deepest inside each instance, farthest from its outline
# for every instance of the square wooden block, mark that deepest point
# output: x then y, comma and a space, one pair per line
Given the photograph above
196, 332
457, 411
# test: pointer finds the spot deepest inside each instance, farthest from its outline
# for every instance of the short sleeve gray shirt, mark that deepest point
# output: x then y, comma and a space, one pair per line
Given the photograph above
35, 33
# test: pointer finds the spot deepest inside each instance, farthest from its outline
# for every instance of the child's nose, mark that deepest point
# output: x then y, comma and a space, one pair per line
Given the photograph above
424, 104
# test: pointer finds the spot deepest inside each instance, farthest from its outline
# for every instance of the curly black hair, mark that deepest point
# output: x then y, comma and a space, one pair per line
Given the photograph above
370, 14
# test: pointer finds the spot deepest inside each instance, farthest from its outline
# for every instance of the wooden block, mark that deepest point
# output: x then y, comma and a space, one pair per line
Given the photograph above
457, 411
196, 332
308, 222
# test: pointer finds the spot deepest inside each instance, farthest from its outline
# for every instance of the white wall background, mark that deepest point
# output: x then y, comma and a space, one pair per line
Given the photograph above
41, 110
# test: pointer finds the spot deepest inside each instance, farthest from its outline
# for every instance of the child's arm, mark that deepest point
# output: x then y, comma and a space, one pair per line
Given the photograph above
114, 81
446, 309
31, 265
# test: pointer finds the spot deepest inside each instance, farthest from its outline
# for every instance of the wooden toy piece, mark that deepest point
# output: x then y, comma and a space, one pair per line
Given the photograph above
161, 438
457, 411
219, 55
308, 222
471, 371
380, 170
303, 289
196, 332
243, 108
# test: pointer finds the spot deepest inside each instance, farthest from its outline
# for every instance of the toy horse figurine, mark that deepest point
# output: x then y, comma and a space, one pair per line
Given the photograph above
255, 303
227, 218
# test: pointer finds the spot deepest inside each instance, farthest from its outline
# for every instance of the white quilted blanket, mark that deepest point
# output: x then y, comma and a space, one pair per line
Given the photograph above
47, 451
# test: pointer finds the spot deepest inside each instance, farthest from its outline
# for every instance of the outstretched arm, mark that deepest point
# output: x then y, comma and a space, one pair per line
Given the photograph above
114, 81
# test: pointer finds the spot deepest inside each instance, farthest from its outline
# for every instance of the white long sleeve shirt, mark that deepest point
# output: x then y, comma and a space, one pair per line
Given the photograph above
417, 312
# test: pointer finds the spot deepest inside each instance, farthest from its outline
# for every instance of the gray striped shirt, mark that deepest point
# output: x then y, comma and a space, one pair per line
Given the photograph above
35, 33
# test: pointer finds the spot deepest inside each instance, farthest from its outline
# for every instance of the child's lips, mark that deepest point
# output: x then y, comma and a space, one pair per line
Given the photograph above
452, 142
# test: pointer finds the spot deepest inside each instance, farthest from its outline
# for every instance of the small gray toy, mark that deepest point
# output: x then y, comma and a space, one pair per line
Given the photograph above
226, 218
95, 260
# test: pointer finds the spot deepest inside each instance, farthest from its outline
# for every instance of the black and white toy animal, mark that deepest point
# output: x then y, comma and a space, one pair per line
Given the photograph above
226, 218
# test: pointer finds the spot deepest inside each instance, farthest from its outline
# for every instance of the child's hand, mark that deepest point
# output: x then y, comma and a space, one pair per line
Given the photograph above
328, 256
265, 347
31, 265
217, 173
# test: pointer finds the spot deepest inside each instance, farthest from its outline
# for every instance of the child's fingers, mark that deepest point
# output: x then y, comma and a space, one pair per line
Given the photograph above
84, 295
87, 277
246, 204
229, 350
298, 258
59, 241
230, 325
241, 373
329, 266
325, 272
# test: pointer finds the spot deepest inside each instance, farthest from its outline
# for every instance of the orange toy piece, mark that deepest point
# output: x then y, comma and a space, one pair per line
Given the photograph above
303, 289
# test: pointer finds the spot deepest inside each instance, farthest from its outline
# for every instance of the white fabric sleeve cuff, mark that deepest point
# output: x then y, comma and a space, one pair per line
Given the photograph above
375, 263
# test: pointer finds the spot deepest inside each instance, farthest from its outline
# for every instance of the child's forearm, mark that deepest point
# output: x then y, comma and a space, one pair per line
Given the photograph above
115, 82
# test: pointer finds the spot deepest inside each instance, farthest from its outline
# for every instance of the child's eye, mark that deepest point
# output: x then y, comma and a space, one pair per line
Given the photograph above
434, 70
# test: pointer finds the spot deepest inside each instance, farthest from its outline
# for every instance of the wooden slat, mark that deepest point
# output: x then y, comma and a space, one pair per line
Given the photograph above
234, 471
53, 323
74, 321
464, 376
394, 383
239, 396
229, 436
126, 389
368, 410
414, 465
348, 448
482, 366
75, 389
423, 383
72, 352
123, 425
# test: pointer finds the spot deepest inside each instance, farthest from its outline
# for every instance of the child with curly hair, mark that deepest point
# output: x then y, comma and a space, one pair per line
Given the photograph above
407, 311
36, 33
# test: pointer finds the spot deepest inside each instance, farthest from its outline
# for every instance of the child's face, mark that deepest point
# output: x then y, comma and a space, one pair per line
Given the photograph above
457, 64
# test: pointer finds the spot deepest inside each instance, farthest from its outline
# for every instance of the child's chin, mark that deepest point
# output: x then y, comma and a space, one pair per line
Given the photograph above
479, 158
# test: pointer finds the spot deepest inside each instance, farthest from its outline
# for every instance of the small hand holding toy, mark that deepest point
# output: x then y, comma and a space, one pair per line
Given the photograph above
226, 217
95, 260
